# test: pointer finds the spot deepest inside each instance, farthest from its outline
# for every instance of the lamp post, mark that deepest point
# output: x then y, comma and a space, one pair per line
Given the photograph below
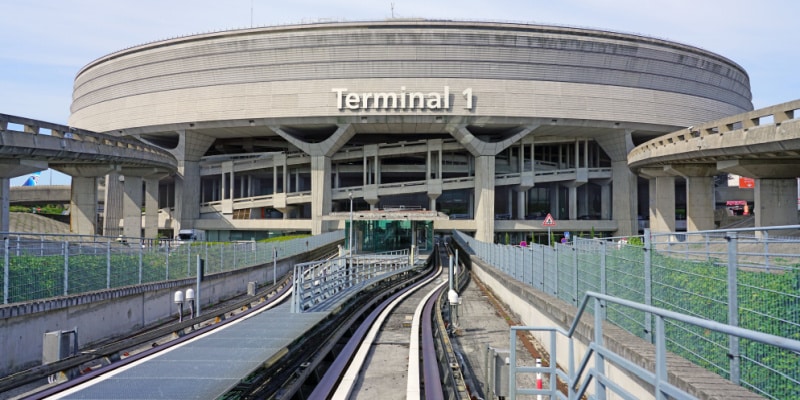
350, 236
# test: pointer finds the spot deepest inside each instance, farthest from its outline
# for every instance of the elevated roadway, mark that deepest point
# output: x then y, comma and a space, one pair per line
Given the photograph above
762, 144
28, 145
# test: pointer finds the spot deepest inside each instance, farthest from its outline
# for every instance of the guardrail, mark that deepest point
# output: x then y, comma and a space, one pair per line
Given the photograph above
748, 278
581, 377
35, 127
776, 115
316, 282
38, 266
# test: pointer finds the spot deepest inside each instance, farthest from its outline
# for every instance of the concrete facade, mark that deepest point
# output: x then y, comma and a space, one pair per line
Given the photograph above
486, 122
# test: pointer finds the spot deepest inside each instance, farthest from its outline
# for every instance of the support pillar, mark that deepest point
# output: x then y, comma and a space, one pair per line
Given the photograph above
484, 198
5, 197
775, 202
10, 169
662, 204
605, 201
699, 194
83, 206
321, 204
187, 193
151, 207
625, 202
132, 207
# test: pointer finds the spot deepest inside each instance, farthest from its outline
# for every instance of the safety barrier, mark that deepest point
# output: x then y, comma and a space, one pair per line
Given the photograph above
581, 377
317, 282
38, 266
743, 277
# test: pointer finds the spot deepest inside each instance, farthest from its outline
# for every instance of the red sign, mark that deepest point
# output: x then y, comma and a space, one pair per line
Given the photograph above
549, 221
746, 183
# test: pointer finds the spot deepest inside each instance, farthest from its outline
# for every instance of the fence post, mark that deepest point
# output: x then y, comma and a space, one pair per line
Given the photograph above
599, 359
108, 264
765, 238
141, 261
6, 270
733, 307
648, 284
66, 268
575, 299
603, 288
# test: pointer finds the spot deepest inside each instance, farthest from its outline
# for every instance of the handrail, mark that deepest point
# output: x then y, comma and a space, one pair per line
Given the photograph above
766, 338
598, 352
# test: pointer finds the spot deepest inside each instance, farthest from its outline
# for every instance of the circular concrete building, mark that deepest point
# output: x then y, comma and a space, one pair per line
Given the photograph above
492, 125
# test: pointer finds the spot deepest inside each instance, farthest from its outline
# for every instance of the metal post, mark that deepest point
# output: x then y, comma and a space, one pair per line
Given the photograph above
350, 235
648, 284
5, 270
575, 299
450, 273
733, 307
274, 265
66, 268
108, 265
141, 262
197, 291
599, 359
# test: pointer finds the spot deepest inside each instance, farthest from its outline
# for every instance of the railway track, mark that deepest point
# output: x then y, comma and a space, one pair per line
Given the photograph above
316, 365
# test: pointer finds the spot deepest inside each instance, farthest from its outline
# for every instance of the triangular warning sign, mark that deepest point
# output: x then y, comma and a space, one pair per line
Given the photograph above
549, 221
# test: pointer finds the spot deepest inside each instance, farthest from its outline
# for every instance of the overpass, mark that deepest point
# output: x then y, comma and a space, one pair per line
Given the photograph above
28, 145
762, 144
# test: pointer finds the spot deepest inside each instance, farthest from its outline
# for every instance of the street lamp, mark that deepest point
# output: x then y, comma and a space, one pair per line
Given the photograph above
350, 241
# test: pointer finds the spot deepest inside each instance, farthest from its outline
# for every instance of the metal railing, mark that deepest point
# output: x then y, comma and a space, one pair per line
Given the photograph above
749, 278
316, 282
38, 266
579, 379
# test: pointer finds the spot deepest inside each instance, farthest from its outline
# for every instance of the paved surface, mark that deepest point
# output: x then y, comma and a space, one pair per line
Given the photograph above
481, 324
205, 367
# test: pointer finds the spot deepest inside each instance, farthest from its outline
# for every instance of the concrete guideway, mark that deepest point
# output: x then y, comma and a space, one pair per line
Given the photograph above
763, 144
85, 156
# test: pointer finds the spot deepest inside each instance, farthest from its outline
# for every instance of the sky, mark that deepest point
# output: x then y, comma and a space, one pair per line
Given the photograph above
44, 43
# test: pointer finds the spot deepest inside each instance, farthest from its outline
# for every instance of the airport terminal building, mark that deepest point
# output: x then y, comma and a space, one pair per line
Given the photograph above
481, 126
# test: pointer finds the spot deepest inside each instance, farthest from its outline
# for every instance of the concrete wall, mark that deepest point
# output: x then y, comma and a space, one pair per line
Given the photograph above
112, 313
535, 308
514, 70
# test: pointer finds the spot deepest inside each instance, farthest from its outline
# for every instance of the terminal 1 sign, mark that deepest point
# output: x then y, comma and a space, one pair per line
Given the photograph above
402, 100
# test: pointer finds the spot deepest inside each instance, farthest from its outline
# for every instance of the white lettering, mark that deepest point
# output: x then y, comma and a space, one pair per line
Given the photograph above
385, 97
353, 101
339, 92
403, 100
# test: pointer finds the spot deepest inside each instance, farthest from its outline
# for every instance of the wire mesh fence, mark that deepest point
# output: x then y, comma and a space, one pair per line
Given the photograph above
38, 266
748, 278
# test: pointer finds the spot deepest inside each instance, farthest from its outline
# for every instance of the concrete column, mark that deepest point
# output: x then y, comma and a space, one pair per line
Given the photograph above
321, 203
699, 203
151, 207
625, 201
132, 206
83, 206
699, 194
775, 202
573, 203
187, 195
5, 196
662, 204
112, 206
10, 169
605, 201
521, 204
484, 198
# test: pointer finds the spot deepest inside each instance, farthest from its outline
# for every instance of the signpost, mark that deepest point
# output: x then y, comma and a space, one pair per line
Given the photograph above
549, 222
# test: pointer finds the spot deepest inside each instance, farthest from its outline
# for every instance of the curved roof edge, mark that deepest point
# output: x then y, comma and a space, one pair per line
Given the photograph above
431, 23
